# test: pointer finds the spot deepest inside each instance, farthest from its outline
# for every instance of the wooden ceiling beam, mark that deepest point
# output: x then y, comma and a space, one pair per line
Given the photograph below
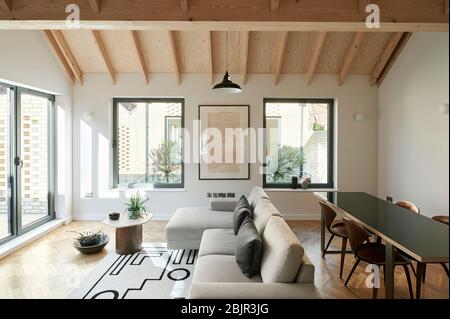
6, 5
173, 54
184, 5
350, 56
385, 56
244, 55
104, 54
315, 56
210, 57
59, 38
140, 52
402, 43
95, 5
51, 42
218, 15
280, 56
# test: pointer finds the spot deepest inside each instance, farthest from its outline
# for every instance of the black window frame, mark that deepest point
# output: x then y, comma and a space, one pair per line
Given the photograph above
330, 141
149, 100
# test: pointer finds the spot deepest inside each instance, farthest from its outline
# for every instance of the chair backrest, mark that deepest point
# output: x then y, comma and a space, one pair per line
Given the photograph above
328, 214
357, 235
408, 205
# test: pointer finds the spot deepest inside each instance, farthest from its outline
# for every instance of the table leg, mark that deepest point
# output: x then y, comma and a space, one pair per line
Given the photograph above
419, 276
128, 240
389, 272
322, 234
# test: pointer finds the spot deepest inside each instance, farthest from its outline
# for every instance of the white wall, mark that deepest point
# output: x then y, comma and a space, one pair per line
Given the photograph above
413, 135
356, 141
26, 60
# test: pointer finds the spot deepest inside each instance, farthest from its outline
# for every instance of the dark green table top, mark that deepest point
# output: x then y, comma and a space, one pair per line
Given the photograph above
421, 237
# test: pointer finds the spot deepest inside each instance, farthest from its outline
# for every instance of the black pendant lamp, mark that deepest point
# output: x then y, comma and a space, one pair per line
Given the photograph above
227, 86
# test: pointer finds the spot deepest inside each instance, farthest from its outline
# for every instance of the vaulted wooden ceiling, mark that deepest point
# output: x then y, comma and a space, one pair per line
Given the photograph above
211, 52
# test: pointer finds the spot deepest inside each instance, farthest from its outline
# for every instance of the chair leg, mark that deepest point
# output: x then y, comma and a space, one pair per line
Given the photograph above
445, 268
352, 271
374, 293
344, 248
328, 245
408, 279
424, 272
413, 270
420, 267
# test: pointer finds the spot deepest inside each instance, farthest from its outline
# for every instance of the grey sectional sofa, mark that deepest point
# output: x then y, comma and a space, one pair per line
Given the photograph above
286, 271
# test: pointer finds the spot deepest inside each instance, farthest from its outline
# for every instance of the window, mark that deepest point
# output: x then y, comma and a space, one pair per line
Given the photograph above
148, 143
298, 142
26, 160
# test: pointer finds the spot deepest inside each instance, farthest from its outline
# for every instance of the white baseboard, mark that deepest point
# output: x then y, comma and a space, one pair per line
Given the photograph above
17, 243
99, 218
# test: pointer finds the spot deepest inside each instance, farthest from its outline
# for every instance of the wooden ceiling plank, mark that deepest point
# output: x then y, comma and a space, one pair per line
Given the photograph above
104, 54
51, 42
280, 56
210, 57
140, 52
446, 7
241, 15
173, 54
321, 36
6, 5
184, 5
244, 55
406, 36
274, 5
59, 38
95, 5
350, 56
385, 56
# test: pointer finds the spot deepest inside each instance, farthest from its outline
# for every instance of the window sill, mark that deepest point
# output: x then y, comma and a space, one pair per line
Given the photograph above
17, 243
300, 190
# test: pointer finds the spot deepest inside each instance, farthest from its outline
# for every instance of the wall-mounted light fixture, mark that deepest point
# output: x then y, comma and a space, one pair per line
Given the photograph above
443, 108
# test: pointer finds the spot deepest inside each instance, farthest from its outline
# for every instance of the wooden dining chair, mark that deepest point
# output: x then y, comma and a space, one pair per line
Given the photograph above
372, 253
336, 228
444, 220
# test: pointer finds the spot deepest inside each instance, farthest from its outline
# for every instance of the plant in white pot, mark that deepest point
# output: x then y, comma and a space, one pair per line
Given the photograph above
135, 208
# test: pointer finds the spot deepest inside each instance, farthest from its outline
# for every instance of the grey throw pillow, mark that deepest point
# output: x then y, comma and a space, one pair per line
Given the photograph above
248, 249
241, 211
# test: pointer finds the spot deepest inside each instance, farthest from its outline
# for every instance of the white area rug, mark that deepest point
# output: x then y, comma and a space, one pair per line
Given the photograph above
153, 273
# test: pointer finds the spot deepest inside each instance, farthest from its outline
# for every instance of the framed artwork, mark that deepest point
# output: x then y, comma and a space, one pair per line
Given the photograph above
224, 150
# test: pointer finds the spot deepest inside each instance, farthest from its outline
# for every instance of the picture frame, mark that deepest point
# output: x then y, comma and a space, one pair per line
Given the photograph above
219, 118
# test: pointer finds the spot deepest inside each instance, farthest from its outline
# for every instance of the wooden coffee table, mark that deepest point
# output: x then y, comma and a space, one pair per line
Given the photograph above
128, 233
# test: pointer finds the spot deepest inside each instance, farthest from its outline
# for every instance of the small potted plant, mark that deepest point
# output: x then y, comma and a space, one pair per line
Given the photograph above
89, 242
135, 208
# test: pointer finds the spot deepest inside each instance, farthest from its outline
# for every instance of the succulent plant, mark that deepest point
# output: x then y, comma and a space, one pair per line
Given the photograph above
89, 238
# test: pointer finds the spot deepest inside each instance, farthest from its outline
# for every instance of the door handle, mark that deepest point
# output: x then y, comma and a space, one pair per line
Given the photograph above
18, 161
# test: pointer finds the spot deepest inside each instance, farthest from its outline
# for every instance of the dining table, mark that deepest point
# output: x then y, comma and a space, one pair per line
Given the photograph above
420, 237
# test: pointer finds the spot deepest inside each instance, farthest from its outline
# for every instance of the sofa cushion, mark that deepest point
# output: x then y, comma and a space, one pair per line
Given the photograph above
188, 223
241, 211
217, 242
282, 252
248, 248
220, 268
255, 195
262, 213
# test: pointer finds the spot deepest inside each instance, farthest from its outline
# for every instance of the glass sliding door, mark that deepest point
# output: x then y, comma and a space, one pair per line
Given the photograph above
6, 102
33, 160
26, 160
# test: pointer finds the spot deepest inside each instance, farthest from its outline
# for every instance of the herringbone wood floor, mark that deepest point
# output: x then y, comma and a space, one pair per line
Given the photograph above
51, 268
